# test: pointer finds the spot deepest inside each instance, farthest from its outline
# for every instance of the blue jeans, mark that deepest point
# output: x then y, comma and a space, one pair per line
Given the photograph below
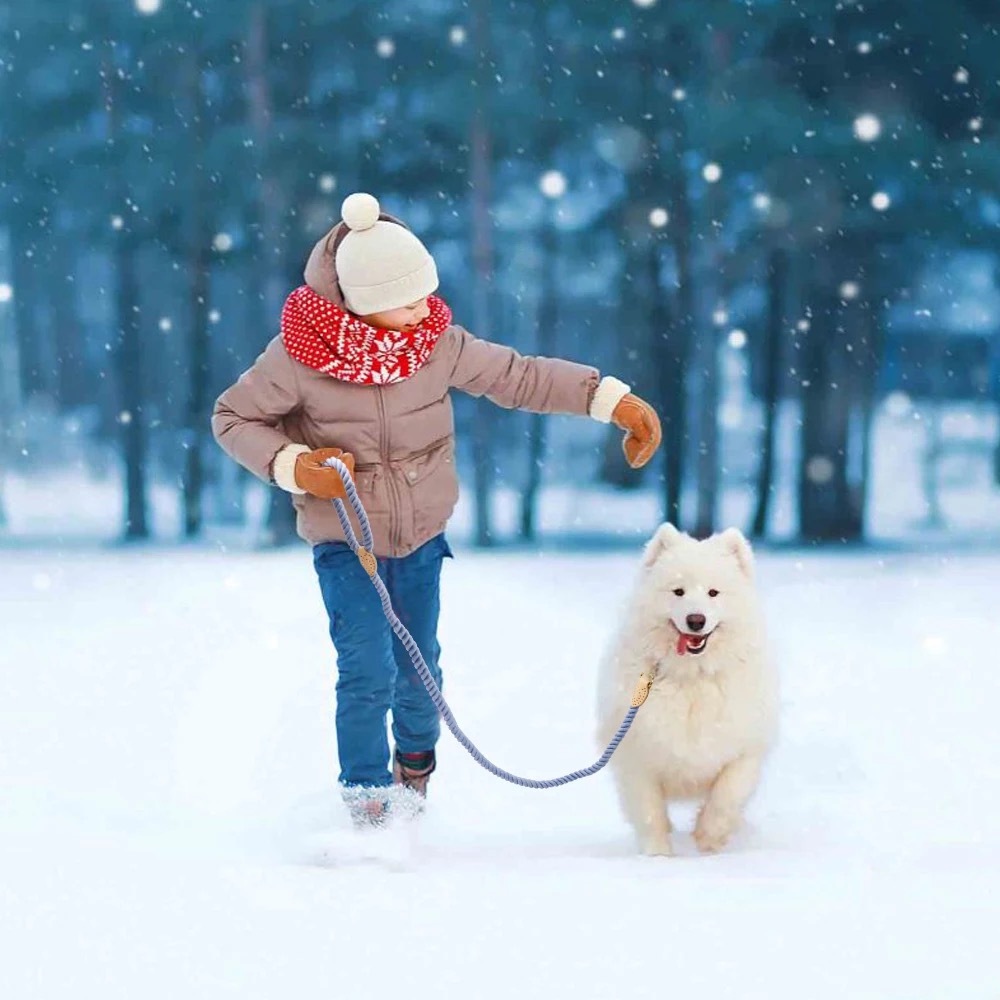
374, 672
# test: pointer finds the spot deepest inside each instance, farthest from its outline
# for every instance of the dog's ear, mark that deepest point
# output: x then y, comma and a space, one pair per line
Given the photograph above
735, 544
666, 536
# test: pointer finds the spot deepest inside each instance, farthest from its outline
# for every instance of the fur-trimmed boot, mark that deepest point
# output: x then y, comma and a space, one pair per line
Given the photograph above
414, 770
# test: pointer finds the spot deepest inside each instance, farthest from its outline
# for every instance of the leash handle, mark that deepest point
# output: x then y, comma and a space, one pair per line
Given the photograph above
368, 560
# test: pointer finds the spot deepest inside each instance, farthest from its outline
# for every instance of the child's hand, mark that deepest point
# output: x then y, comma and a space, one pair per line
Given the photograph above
321, 480
642, 426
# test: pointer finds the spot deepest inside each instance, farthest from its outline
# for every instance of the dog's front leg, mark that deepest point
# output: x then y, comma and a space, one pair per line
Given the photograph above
646, 809
722, 813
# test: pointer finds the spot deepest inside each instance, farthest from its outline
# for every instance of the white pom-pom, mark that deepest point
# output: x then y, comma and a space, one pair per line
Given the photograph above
360, 211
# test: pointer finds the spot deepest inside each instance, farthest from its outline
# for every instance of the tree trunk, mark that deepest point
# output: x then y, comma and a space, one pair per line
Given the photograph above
547, 139
131, 388
824, 501
996, 396
707, 365
674, 366
269, 209
71, 372
715, 60
868, 359
199, 235
10, 379
547, 318
934, 440
995, 380
777, 290
128, 343
639, 284
24, 271
481, 154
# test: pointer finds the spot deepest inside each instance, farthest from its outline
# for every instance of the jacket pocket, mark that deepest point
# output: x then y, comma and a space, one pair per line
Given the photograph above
370, 483
432, 483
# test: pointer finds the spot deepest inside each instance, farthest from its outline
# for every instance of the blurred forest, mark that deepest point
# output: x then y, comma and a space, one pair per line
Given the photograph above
761, 214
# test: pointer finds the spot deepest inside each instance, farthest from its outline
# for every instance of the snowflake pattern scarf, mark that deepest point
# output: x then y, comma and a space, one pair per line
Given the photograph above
324, 336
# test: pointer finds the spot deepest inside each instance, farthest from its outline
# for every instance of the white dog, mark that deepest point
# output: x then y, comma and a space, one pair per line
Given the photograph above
693, 626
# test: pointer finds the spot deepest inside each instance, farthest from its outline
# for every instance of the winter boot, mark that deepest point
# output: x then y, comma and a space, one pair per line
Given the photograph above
413, 770
369, 807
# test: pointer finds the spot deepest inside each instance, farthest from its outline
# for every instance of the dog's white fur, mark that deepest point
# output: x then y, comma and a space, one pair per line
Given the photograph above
710, 718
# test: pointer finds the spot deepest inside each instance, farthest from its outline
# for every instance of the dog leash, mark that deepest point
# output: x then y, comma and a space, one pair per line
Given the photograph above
366, 557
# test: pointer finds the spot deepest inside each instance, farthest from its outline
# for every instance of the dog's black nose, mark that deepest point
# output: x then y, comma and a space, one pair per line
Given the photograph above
695, 622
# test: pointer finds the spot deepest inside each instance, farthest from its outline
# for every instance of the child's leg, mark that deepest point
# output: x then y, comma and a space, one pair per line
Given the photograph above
414, 586
365, 666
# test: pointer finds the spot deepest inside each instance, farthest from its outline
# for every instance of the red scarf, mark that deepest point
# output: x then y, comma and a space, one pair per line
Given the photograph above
322, 335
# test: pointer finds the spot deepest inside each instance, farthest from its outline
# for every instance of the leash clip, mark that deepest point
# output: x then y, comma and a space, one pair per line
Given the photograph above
641, 692
368, 561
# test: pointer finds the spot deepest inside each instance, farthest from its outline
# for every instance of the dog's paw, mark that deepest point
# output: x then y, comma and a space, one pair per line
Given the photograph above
713, 830
657, 847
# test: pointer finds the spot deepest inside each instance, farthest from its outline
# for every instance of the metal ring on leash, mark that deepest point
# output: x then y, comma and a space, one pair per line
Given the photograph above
366, 555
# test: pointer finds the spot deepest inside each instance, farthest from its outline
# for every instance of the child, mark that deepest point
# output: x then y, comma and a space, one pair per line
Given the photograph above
363, 369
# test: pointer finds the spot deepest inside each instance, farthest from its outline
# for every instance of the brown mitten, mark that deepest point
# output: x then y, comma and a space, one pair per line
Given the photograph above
642, 429
321, 480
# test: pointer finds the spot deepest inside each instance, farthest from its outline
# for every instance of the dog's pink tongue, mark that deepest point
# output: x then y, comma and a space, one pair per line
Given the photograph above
682, 642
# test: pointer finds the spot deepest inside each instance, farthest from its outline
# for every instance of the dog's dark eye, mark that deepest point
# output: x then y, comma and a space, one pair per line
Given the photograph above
678, 591
713, 593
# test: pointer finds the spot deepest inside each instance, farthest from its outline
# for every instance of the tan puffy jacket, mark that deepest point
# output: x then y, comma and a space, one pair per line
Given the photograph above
401, 435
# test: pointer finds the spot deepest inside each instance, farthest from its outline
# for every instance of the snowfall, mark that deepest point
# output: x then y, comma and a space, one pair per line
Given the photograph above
170, 824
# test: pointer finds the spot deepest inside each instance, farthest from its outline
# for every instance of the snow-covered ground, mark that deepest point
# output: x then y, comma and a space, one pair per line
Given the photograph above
169, 825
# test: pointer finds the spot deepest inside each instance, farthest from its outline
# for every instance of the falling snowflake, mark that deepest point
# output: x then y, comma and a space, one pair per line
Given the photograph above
618, 34
166, 324
214, 316
457, 35
148, 6
6, 292
864, 47
731, 416
867, 127
880, 201
327, 183
117, 222
553, 184
644, 3
386, 48
898, 404
850, 290
658, 218
679, 93
961, 75
720, 317
975, 124
222, 242
762, 202
125, 417
711, 172
737, 339
819, 470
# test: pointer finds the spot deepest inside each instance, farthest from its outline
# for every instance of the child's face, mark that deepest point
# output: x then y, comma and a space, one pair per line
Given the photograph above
403, 318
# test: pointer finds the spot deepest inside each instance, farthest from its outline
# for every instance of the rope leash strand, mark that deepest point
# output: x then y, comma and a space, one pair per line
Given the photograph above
366, 556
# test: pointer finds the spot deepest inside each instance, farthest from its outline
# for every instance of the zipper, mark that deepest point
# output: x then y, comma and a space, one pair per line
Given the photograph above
390, 484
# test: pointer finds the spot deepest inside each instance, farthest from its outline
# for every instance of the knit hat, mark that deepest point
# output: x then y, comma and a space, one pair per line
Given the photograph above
380, 265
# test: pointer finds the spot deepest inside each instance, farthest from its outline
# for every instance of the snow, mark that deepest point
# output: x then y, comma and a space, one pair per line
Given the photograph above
170, 825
